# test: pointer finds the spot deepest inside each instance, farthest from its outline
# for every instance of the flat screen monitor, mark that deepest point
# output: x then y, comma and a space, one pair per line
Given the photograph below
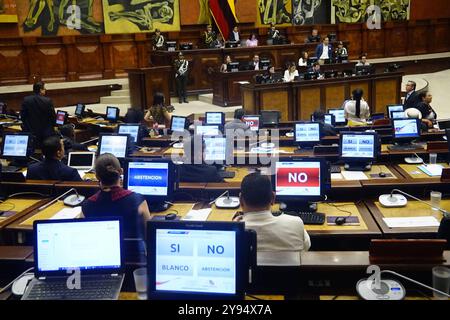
79, 110
398, 115
270, 118
112, 114
16, 145
196, 261
330, 119
207, 130
312, 60
116, 144
215, 149
81, 160
171, 46
364, 70
300, 180
153, 178
307, 134
443, 124
130, 128
377, 116
339, 115
253, 122
264, 64
91, 245
186, 46
61, 117
178, 124
406, 129
215, 118
393, 107
358, 146
343, 58
233, 67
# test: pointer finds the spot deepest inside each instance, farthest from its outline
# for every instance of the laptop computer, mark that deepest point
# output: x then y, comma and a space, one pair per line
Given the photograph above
92, 246
81, 160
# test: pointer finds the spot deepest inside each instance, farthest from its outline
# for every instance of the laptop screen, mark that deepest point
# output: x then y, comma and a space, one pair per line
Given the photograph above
81, 159
87, 245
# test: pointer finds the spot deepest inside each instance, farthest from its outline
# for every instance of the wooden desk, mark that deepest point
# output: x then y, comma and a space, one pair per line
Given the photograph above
298, 100
227, 87
413, 209
412, 172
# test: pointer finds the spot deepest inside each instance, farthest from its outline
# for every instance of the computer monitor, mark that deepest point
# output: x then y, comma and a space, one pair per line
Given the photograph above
61, 117
358, 150
114, 143
312, 60
207, 130
343, 58
270, 118
155, 179
171, 46
339, 115
233, 67
398, 115
299, 182
94, 246
307, 134
310, 75
81, 160
377, 116
332, 37
17, 146
178, 124
214, 149
112, 114
364, 70
406, 130
264, 64
393, 107
252, 121
79, 110
197, 261
186, 46
3, 107
329, 119
215, 118
132, 129
443, 124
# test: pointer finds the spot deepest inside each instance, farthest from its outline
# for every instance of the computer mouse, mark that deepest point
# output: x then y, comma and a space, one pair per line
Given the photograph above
382, 175
340, 221
171, 216
20, 285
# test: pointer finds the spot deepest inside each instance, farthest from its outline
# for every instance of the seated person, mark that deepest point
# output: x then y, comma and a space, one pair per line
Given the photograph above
284, 233
193, 169
237, 125
113, 200
314, 36
52, 168
303, 61
254, 64
291, 72
363, 61
357, 110
444, 231
416, 114
67, 132
234, 35
274, 34
158, 114
315, 68
341, 50
224, 66
428, 113
328, 130
252, 41
209, 37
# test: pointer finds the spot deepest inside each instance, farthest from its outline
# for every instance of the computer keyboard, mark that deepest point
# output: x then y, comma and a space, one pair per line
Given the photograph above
227, 174
308, 218
405, 147
335, 169
10, 169
91, 289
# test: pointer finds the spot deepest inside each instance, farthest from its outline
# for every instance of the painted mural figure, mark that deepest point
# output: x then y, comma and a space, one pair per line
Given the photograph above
396, 10
304, 11
274, 11
350, 11
87, 23
36, 9
204, 16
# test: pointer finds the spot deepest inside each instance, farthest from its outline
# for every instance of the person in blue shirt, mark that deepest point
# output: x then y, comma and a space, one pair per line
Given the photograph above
112, 200
52, 168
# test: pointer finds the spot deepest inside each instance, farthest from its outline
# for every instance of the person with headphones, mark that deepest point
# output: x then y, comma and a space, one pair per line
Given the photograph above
357, 110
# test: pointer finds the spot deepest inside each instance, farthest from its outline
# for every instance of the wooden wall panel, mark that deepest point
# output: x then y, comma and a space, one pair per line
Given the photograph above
374, 43
89, 60
396, 39
309, 101
418, 38
360, 85
124, 57
429, 9
13, 64
334, 96
386, 92
278, 100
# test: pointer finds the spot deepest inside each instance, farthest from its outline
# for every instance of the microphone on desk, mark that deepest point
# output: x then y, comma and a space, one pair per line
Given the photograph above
399, 200
226, 202
71, 201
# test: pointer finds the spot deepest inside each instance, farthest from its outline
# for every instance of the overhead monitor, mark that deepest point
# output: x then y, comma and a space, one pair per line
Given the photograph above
116, 144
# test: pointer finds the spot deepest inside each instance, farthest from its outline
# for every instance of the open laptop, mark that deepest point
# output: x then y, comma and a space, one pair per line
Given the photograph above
81, 160
94, 246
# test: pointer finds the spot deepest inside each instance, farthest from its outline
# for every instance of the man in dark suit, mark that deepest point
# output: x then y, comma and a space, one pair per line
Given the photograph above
324, 51
254, 64
38, 114
52, 168
412, 99
234, 35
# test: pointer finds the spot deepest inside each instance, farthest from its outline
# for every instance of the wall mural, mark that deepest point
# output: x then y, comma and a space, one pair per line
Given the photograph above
8, 11
274, 11
310, 12
129, 16
355, 11
59, 17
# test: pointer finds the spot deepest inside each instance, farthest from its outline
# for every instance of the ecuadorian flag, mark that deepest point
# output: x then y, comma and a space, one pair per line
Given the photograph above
224, 14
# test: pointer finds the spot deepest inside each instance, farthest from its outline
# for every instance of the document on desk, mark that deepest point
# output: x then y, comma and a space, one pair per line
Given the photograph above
354, 175
336, 176
432, 170
243, 82
412, 222
82, 173
198, 215
67, 213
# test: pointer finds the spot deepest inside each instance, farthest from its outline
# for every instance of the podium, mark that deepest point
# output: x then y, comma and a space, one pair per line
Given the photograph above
144, 82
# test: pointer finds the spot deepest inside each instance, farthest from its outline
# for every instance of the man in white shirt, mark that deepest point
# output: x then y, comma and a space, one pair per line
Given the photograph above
324, 51
254, 65
279, 239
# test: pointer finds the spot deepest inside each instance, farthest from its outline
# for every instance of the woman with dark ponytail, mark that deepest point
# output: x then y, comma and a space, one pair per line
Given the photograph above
357, 110
112, 200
